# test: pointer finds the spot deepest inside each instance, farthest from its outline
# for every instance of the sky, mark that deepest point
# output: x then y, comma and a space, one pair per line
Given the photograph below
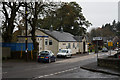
98, 12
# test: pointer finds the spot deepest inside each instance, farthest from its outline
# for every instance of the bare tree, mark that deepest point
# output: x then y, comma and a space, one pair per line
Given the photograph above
9, 10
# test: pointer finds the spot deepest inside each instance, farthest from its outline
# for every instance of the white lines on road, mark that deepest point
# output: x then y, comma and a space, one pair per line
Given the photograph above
40, 76
57, 73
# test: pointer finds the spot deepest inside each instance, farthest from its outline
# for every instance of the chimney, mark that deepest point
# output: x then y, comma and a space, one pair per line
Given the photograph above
61, 30
51, 28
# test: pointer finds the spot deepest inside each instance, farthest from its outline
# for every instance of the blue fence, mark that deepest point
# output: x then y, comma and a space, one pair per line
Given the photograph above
18, 46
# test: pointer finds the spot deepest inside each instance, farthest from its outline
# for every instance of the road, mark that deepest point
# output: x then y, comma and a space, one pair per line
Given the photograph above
62, 68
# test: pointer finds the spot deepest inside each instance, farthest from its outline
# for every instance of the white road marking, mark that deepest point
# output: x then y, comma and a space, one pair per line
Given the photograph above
57, 73
51, 74
46, 75
40, 76
63, 71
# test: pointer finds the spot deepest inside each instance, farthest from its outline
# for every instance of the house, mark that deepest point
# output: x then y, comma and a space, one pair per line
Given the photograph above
116, 40
56, 40
82, 44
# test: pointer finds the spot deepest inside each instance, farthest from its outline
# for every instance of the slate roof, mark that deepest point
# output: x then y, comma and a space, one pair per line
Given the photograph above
78, 38
59, 36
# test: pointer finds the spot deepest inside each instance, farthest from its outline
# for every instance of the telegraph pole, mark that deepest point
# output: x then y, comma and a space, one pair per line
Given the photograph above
26, 32
97, 50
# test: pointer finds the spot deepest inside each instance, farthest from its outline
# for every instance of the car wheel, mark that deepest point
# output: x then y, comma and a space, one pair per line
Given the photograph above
49, 60
55, 60
65, 56
38, 61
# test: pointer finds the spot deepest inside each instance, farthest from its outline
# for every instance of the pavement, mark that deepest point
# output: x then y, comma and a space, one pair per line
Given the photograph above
94, 68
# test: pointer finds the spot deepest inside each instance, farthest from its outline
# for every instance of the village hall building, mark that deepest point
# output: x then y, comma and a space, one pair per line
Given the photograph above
56, 40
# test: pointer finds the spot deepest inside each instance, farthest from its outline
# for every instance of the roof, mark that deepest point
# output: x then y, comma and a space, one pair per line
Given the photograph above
31, 36
59, 36
78, 38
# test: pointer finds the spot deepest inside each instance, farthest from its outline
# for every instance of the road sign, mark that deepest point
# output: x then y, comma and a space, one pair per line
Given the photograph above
117, 43
97, 38
110, 43
26, 38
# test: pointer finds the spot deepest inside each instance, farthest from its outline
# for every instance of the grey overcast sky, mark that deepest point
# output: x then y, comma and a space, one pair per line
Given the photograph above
98, 12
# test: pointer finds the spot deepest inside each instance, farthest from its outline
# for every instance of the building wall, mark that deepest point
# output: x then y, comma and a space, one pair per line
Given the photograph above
54, 46
41, 40
65, 45
81, 46
42, 44
22, 40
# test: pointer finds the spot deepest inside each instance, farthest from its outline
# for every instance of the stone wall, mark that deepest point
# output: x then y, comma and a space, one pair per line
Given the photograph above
109, 62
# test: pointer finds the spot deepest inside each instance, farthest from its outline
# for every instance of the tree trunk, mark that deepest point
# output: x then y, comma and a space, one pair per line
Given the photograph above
34, 20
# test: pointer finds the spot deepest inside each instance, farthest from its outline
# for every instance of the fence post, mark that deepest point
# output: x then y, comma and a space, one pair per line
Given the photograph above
31, 53
21, 51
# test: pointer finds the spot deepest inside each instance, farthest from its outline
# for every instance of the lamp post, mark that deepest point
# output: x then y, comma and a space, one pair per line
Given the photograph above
26, 38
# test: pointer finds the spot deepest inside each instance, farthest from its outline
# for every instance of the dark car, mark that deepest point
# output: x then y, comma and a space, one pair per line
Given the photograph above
104, 49
46, 56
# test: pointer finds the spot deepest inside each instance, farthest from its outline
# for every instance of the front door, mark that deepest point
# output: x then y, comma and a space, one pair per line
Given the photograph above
83, 47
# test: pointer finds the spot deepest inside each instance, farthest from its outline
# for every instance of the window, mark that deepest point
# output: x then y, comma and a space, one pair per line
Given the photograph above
46, 41
50, 42
69, 45
64, 43
73, 45
38, 39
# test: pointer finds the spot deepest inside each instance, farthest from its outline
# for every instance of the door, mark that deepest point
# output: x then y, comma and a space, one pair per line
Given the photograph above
41, 45
83, 46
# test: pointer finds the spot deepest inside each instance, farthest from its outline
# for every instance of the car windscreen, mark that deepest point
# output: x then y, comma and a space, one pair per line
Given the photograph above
44, 53
63, 51
104, 49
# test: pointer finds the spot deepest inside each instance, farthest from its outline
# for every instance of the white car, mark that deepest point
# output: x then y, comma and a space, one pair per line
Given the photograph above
116, 49
64, 53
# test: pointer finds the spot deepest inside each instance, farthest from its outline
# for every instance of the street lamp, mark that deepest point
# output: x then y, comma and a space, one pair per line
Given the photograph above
26, 38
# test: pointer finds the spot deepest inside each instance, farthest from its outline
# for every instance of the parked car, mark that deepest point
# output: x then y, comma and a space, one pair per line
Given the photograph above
116, 49
104, 49
46, 56
64, 53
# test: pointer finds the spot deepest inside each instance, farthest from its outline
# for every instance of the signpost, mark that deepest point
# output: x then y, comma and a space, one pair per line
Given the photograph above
97, 39
110, 44
117, 46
